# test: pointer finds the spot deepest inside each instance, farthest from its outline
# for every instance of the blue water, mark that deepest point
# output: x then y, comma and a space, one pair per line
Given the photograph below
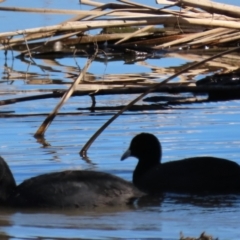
184, 131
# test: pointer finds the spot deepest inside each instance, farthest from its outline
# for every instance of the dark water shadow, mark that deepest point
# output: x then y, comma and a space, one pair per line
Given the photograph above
195, 200
205, 201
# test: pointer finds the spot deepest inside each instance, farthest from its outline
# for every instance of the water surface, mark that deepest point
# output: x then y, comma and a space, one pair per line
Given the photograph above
184, 131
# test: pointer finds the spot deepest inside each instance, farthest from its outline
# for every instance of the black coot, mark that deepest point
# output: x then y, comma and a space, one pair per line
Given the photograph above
68, 189
190, 175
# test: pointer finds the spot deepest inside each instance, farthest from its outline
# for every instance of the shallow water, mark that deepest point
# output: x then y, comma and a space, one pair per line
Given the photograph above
184, 131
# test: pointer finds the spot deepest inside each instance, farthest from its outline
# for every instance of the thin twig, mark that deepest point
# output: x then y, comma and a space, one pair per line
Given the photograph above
41, 130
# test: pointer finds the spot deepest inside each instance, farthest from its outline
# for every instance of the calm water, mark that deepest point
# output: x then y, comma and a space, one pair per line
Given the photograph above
196, 129
212, 129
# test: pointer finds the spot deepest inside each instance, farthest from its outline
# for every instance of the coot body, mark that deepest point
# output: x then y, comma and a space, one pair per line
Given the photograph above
190, 175
67, 189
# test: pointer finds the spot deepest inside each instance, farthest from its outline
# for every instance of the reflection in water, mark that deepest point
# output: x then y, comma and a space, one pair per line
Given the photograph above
205, 201
148, 217
42, 141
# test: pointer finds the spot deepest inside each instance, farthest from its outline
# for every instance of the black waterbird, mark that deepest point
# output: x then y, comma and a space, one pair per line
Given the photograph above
67, 189
191, 175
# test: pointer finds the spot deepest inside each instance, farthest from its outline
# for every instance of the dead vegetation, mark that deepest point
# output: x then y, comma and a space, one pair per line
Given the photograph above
203, 32
194, 24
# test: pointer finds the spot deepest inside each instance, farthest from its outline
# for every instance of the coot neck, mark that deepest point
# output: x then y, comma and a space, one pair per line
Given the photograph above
145, 163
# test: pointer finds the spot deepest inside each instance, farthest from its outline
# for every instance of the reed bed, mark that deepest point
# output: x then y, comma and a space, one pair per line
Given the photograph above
195, 24
126, 28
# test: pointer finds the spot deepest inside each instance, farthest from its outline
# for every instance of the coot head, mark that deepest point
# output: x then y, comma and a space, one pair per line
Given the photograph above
146, 148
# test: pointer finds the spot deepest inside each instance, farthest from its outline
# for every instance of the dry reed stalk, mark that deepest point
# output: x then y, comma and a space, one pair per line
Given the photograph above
42, 129
99, 87
165, 2
189, 38
88, 25
231, 37
171, 19
101, 6
168, 36
91, 3
137, 4
205, 15
13, 42
120, 14
80, 13
149, 7
145, 28
83, 39
135, 34
36, 36
44, 10
212, 7
77, 26
120, 18
114, 80
85, 25
104, 37
213, 37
